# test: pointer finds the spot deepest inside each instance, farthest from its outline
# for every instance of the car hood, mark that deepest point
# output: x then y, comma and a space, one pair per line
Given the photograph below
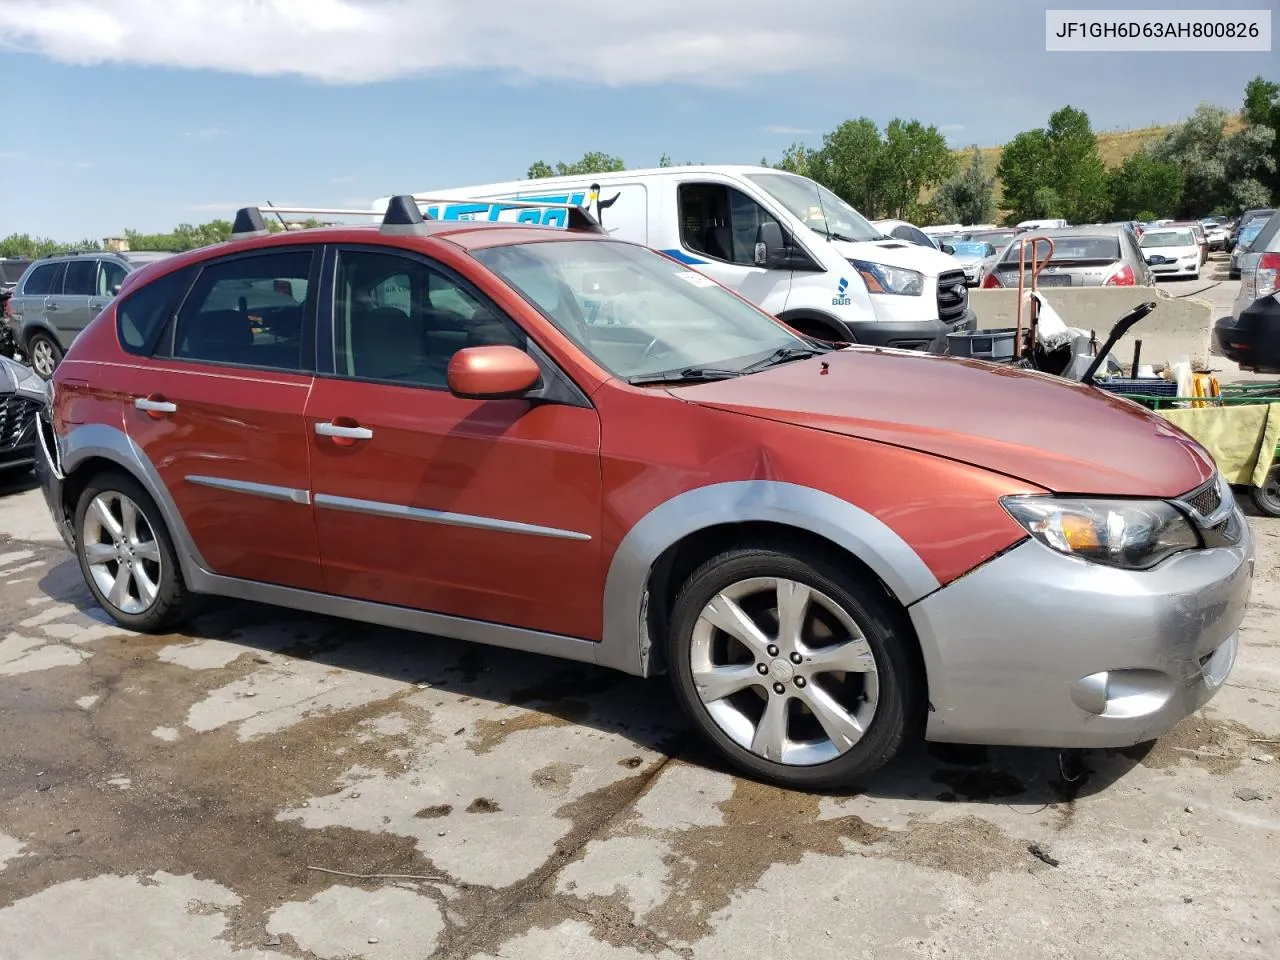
898, 253
1054, 433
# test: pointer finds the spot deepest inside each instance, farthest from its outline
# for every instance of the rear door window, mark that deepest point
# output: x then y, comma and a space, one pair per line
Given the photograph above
110, 276
44, 280
80, 278
250, 311
142, 314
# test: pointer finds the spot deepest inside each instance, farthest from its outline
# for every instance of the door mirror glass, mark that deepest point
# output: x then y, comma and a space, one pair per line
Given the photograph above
948, 248
769, 250
496, 372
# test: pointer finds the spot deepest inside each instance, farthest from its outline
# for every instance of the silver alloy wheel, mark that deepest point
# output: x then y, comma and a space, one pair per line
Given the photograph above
121, 552
42, 357
784, 671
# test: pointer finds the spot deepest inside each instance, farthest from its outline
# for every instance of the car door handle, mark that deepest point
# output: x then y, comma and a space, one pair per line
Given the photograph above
342, 432
51, 306
154, 405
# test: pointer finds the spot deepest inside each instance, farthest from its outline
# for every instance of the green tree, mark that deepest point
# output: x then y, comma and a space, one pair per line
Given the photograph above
591, 162
25, 245
1250, 165
1197, 146
1262, 110
1144, 188
1025, 167
665, 161
796, 159
848, 163
912, 158
969, 196
1076, 169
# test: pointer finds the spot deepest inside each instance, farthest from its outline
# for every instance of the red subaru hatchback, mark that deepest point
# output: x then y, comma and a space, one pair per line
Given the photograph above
420, 425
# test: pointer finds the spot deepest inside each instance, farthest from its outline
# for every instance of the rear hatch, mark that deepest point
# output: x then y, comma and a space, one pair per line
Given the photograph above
1076, 262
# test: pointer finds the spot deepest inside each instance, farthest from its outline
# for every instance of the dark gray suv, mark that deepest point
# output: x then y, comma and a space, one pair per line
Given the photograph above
58, 296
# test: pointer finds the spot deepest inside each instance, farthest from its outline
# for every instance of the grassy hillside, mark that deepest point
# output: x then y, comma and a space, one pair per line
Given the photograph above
1114, 145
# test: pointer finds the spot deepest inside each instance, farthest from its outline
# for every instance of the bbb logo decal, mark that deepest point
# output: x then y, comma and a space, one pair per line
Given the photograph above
841, 299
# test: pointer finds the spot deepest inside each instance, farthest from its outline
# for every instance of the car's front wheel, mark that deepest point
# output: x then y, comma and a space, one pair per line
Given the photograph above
45, 354
127, 556
795, 669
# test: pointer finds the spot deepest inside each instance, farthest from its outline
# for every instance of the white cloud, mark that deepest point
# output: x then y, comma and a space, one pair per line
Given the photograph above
784, 130
343, 179
206, 133
951, 127
709, 43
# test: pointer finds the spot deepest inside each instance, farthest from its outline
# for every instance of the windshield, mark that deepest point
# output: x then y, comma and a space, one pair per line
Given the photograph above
816, 206
1252, 230
636, 312
1168, 238
1067, 248
996, 238
964, 248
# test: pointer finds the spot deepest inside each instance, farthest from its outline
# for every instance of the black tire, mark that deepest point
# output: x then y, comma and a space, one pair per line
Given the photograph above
899, 671
37, 344
1267, 497
172, 603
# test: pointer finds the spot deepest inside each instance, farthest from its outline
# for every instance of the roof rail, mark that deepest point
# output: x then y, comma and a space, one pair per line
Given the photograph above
404, 214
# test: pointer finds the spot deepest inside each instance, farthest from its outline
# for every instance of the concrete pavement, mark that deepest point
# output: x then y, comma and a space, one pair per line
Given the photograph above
275, 785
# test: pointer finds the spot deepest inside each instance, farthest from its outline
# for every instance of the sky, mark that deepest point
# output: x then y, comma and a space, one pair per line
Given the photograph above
148, 113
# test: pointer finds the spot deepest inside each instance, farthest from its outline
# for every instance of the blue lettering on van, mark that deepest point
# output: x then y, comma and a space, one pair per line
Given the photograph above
550, 217
842, 299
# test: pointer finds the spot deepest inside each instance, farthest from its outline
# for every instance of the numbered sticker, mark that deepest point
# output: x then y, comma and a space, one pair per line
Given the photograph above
697, 279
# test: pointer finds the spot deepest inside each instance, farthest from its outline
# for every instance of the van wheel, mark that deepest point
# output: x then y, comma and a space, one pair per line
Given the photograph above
45, 354
794, 670
127, 556
1267, 497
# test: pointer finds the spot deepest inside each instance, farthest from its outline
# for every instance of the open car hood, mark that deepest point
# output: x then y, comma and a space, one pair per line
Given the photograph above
1054, 433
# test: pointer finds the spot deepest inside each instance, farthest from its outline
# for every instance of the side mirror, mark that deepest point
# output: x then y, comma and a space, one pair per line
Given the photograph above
948, 248
496, 372
770, 250
115, 289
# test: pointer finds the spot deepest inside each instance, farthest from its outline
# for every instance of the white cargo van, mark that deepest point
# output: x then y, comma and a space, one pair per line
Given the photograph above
780, 240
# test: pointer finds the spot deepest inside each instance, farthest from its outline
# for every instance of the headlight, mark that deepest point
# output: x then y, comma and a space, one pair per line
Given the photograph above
881, 278
1131, 534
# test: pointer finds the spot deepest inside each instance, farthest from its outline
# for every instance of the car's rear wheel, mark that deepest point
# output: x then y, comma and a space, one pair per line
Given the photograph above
127, 556
796, 670
45, 354
1267, 497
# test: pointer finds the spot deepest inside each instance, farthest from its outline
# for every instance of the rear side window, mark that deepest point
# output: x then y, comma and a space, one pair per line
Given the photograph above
110, 276
143, 313
1266, 240
44, 280
79, 279
250, 311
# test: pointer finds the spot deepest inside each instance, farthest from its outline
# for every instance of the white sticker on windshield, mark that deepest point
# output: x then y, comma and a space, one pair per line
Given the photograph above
697, 279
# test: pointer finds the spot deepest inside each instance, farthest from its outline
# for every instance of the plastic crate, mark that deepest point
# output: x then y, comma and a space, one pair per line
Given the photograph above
983, 344
1139, 386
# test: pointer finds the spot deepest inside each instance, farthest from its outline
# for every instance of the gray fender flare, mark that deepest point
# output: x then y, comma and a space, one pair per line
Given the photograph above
625, 641
91, 440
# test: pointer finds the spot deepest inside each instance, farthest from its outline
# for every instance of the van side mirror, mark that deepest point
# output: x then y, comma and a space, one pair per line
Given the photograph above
770, 249
496, 372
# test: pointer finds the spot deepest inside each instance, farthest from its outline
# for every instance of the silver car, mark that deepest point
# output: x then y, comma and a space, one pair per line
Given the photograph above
977, 257
58, 296
1096, 256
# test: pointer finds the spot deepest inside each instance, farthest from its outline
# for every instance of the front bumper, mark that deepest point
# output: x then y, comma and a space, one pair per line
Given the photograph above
926, 336
1253, 339
49, 474
1039, 649
17, 432
1172, 269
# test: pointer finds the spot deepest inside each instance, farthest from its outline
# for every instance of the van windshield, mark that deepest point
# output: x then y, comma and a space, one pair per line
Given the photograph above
639, 314
816, 206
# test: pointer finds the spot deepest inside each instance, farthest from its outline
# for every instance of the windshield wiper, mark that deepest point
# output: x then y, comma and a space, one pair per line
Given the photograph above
688, 373
848, 239
781, 355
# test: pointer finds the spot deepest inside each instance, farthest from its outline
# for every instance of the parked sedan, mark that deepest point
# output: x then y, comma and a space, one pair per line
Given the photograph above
1172, 252
1100, 256
1251, 335
1198, 231
822, 557
22, 396
1215, 231
977, 257
1244, 243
